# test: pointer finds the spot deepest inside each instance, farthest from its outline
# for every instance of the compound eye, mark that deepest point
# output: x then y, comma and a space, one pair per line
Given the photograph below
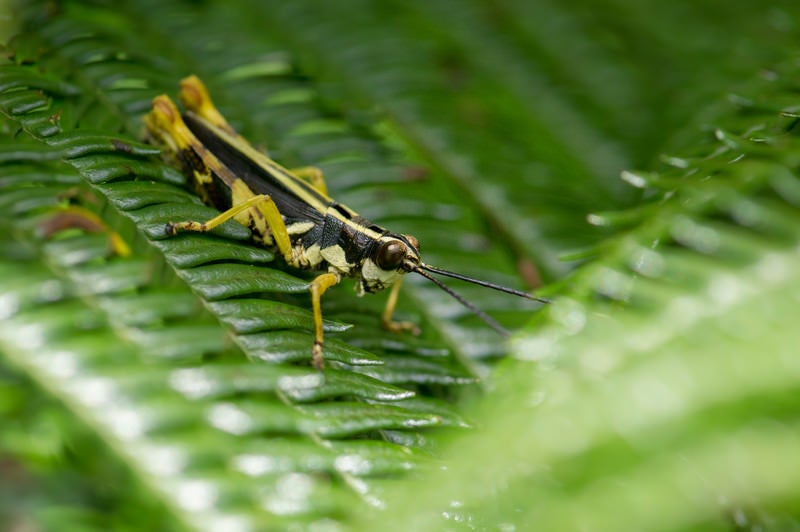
391, 255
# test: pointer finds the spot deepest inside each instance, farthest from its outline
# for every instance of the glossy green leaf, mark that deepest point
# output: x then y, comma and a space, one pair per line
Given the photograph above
227, 380
401, 369
132, 195
293, 346
102, 168
184, 252
247, 316
341, 383
185, 342
215, 281
79, 143
171, 388
361, 459
150, 308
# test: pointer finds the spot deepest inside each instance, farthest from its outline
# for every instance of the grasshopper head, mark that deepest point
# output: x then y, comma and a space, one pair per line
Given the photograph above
392, 256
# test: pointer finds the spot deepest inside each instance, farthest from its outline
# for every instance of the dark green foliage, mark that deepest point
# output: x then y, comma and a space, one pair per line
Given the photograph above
170, 388
666, 374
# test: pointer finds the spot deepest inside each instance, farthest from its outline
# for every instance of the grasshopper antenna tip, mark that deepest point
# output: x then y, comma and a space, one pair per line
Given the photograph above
487, 284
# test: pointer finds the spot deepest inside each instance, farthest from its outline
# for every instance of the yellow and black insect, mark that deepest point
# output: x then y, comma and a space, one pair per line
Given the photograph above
289, 210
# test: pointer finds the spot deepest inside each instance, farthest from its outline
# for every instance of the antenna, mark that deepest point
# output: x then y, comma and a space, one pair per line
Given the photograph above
423, 270
487, 284
478, 312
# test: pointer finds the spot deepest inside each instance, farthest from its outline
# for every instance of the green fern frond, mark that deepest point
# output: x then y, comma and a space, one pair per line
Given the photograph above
664, 380
171, 386
155, 320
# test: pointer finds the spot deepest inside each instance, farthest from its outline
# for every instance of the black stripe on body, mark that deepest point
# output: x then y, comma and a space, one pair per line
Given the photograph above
260, 178
331, 232
297, 200
216, 192
348, 236
355, 242
346, 213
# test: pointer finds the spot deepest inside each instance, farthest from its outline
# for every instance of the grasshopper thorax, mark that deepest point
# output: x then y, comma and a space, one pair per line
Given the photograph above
390, 256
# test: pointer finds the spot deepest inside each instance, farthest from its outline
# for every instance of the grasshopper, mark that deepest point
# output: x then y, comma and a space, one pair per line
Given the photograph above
290, 211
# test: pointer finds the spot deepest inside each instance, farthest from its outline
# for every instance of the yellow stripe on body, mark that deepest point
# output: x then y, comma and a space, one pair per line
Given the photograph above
265, 217
304, 191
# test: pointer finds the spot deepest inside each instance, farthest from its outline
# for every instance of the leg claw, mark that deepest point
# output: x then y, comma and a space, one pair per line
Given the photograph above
317, 360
